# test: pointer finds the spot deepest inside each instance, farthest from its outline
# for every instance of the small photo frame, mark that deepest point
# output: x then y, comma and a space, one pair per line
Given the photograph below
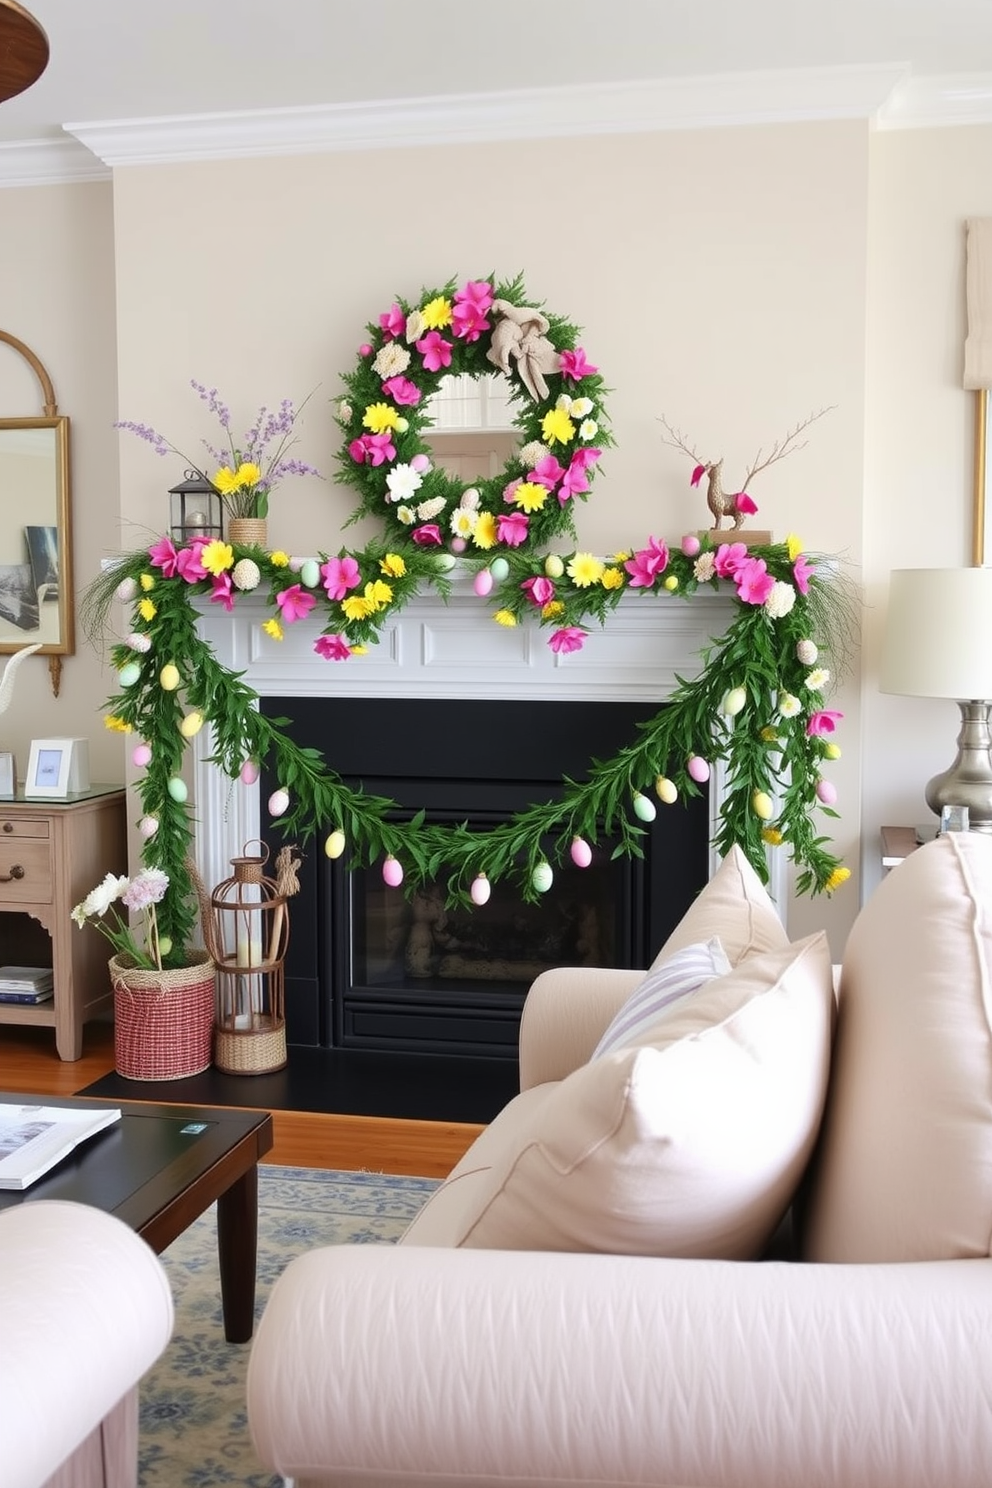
57, 767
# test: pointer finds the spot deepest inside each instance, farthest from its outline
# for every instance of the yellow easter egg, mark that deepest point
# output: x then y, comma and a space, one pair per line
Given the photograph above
191, 725
334, 845
762, 805
168, 677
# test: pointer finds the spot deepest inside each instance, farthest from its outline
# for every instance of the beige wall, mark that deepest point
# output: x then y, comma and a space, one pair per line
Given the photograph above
733, 280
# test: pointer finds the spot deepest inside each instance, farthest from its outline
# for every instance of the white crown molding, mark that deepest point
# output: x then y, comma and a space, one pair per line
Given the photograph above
548, 113
933, 102
49, 162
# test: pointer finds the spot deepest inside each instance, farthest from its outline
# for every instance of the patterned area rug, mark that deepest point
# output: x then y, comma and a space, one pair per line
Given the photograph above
193, 1425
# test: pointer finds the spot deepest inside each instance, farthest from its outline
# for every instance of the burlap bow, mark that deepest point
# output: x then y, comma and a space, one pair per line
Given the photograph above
520, 332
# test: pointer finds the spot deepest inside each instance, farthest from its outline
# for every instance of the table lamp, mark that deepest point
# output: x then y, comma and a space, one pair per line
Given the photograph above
938, 643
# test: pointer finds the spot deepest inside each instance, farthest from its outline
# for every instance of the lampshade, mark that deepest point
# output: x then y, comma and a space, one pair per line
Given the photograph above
938, 633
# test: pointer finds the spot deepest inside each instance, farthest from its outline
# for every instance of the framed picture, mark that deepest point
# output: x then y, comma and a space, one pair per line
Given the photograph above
57, 767
43, 552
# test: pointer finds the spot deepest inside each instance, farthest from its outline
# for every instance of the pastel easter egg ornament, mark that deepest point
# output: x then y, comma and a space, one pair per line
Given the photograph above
666, 790
733, 701
691, 545
392, 872
762, 805
644, 809
334, 844
169, 677
481, 889
279, 802
310, 573
580, 852
126, 590
191, 725
177, 789
129, 674
542, 877
483, 583
500, 569
142, 755
698, 769
148, 826
249, 772
554, 566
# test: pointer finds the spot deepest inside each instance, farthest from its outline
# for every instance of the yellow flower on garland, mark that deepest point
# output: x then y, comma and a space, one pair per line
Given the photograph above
393, 565
794, 546
147, 581
557, 427
838, 877
115, 724
273, 628
437, 314
612, 578
378, 594
584, 569
147, 610
279, 559
356, 606
217, 556
505, 617
379, 417
553, 609
529, 496
485, 534
772, 836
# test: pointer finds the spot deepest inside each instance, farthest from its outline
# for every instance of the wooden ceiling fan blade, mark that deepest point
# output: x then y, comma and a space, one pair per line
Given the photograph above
23, 49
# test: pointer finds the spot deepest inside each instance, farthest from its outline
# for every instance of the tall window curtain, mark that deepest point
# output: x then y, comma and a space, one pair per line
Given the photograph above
978, 344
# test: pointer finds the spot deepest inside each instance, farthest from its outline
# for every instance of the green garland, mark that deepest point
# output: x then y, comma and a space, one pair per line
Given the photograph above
757, 705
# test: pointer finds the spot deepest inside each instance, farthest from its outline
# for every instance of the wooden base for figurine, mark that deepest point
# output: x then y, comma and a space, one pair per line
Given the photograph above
749, 536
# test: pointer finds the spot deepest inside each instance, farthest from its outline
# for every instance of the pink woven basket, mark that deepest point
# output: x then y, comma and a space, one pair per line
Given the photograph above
163, 1020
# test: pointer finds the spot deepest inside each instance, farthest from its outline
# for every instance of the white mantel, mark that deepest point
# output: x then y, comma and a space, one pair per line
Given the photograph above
450, 649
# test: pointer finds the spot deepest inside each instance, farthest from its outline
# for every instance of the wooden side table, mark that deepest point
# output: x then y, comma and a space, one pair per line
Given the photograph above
897, 844
52, 853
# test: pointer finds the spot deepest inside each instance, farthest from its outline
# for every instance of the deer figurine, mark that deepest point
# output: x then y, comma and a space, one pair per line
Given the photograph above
738, 504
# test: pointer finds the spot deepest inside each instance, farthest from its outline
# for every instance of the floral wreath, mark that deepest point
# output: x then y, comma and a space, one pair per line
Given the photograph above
756, 707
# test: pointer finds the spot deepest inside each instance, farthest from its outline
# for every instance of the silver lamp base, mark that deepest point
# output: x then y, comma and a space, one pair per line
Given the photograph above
968, 782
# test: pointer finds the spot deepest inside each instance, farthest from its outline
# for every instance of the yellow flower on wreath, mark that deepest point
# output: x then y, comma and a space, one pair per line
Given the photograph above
273, 629
279, 559
379, 417
437, 314
505, 617
115, 724
557, 427
356, 607
584, 569
147, 582
485, 533
552, 609
529, 496
393, 565
379, 594
217, 556
147, 610
612, 578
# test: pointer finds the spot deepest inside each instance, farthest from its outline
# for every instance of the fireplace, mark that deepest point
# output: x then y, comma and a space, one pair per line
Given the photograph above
372, 968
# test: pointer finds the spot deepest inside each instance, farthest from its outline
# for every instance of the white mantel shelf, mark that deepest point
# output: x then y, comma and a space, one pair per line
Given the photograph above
435, 648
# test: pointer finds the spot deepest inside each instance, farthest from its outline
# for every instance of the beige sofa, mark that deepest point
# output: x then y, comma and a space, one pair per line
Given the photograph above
584, 1301
85, 1310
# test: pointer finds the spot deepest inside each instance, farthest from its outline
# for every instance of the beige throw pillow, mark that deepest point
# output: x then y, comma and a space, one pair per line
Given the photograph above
736, 907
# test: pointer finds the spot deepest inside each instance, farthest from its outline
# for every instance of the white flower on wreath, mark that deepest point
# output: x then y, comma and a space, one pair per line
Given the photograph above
402, 482
415, 325
406, 515
463, 521
433, 508
704, 568
392, 360
788, 705
581, 407
533, 453
780, 600
345, 411
818, 678
564, 403
588, 429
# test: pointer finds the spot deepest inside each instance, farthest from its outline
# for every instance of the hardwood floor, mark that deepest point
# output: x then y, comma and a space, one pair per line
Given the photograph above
306, 1139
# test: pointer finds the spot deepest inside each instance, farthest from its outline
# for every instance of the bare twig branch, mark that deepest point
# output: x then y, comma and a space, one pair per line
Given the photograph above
677, 441
783, 447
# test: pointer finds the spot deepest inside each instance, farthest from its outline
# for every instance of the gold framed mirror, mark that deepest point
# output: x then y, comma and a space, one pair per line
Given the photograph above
37, 605
981, 555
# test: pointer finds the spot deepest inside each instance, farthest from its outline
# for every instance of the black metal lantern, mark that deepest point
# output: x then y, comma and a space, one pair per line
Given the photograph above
196, 509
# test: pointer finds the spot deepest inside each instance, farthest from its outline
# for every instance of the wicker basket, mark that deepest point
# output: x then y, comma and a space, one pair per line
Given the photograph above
251, 1051
251, 532
163, 1020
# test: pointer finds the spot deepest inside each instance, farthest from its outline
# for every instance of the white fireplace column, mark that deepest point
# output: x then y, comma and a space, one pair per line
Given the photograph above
452, 649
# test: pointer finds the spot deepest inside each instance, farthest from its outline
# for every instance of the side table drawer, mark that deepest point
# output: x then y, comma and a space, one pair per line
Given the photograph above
25, 871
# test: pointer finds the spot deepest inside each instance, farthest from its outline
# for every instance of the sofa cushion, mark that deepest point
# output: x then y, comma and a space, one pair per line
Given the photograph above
735, 906
688, 1145
664, 987
905, 1168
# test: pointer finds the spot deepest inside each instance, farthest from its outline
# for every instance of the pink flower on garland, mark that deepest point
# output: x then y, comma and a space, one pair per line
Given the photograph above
802, 572
539, 590
729, 558
393, 322
372, 449
754, 582
576, 365
646, 565
823, 722
332, 647
468, 316
576, 478
428, 536
569, 638
435, 351
340, 575
511, 528
164, 556
402, 391
547, 472
295, 603
188, 564
221, 591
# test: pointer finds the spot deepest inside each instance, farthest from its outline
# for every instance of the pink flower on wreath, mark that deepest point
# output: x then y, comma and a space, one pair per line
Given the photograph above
435, 351
393, 322
221, 591
539, 590
823, 722
163, 555
332, 647
802, 572
340, 575
468, 316
646, 565
754, 582
728, 559
512, 528
402, 391
188, 564
569, 638
510, 490
294, 603
576, 365
428, 536
547, 473
372, 449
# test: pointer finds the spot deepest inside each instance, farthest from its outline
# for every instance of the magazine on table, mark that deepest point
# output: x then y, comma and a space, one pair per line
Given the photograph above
34, 1138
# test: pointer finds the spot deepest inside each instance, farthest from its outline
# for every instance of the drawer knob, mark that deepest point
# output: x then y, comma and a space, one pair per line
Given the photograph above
16, 872
8, 826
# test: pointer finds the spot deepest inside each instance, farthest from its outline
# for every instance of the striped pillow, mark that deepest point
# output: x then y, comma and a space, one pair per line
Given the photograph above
683, 973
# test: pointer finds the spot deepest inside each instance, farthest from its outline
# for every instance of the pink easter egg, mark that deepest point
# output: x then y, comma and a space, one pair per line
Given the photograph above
481, 889
458, 545
392, 872
691, 545
365, 349
581, 852
142, 755
249, 772
278, 802
698, 768
483, 582
826, 792
148, 826
421, 464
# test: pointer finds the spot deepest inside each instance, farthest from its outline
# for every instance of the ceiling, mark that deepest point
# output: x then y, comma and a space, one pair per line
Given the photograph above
115, 60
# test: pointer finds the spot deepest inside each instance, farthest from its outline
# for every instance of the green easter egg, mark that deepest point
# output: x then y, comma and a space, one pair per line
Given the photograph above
542, 877
310, 573
500, 569
177, 789
129, 674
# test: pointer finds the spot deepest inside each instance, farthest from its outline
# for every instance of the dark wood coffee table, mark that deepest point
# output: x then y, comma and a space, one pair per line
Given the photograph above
158, 1169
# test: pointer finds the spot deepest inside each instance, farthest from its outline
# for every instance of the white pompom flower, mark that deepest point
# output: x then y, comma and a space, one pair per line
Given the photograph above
246, 574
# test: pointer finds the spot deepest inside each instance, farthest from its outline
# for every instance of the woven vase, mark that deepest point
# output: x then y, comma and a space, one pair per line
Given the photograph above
163, 1020
249, 532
